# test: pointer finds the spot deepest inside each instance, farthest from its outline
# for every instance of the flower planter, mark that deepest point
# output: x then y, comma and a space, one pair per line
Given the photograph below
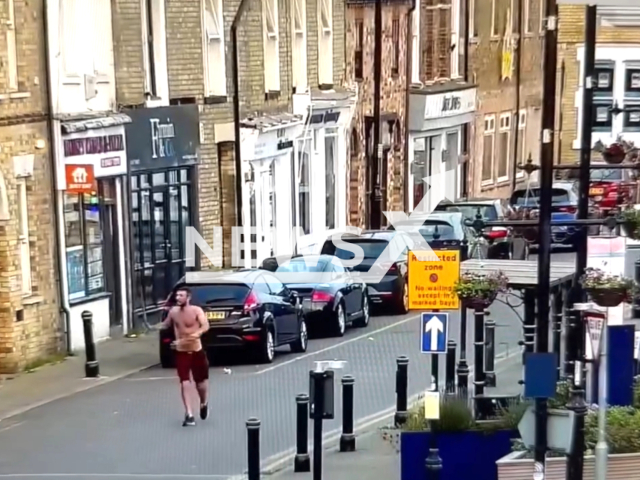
608, 297
613, 158
478, 303
515, 467
464, 454
631, 230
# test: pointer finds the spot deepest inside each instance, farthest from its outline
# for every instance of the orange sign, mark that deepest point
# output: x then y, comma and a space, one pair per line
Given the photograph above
80, 178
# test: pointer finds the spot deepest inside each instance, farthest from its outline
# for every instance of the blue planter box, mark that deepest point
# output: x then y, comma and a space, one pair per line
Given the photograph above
465, 455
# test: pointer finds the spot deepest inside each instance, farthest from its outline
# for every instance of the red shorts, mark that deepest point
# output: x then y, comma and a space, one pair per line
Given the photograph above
192, 363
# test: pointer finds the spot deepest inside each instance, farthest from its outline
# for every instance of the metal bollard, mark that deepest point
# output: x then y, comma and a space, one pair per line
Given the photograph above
91, 366
402, 385
463, 368
636, 300
433, 461
348, 438
490, 352
253, 448
479, 375
302, 461
450, 370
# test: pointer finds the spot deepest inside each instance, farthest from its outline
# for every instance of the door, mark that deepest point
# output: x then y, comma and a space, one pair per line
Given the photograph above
109, 219
344, 282
285, 312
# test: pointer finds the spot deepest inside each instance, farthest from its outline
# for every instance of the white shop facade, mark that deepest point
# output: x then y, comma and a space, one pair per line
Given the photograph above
436, 122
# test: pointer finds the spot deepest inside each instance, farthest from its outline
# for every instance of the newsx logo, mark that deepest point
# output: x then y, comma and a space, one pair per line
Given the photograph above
406, 237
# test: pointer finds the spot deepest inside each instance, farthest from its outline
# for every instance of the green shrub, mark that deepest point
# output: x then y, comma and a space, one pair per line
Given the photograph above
636, 393
623, 430
563, 395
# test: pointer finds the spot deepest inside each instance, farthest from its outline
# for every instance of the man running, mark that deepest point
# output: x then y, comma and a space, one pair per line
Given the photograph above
189, 323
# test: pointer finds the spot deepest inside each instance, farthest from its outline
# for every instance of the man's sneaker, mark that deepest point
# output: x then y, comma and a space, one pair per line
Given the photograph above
189, 421
204, 411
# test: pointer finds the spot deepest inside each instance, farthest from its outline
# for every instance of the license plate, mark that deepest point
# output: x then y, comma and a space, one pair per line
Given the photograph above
596, 191
216, 315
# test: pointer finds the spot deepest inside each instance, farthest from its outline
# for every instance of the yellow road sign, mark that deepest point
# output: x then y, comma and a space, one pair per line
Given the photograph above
431, 281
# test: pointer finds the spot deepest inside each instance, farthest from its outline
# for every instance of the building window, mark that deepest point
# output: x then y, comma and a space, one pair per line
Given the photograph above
495, 22
473, 27
12, 50
603, 96
299, 48
631, 117
23, 236
528, 18
325, 42
395, 38
271, 45
436, 56
488, 148
543, 15
521, 150
504, 143
304, 180
358, 54
415, 46
84, 244
215, 68
154, 53
330, 143
454, 51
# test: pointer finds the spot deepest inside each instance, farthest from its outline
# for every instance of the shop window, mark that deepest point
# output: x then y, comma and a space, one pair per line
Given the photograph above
84, 241
330, 179
23, 236
304, 153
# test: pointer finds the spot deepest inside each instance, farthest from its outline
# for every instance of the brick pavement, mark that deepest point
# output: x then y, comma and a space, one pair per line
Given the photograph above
118, 358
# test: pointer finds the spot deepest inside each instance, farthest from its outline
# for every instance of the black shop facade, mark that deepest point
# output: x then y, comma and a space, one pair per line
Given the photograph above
162, 149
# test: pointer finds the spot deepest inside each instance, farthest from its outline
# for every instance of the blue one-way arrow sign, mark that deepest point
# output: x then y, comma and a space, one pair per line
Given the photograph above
434, 332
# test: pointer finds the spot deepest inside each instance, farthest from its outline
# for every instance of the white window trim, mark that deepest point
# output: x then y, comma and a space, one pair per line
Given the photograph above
490, 133
415, 46
271, 45
543, 14
23, 236
455, 38
494, 32
325, 42
506, 117
299, 43
159, 51
215, 75
526, 14
12, 49
522, 135
472, 19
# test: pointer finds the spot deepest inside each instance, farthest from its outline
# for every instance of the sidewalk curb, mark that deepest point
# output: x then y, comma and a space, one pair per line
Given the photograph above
91, 383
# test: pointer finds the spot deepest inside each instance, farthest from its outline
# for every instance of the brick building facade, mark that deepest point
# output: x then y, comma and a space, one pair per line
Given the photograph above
30, 326
617, 77
360, 45
507, 37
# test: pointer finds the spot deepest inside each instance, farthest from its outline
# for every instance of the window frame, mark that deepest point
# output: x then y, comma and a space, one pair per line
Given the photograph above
23, 237
12, 48
358, 53
488, 133
473, 33
522, 138
415, 46
504, 127
156, 82
543, 15
215, 76
494, 18
527, 17
395, 39
299, 43
271, 46
325, 42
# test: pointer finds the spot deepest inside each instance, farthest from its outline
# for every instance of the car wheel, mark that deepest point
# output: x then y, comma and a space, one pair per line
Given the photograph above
363, 321
167, 359
300, 345
340, 325
403, 301
268, 347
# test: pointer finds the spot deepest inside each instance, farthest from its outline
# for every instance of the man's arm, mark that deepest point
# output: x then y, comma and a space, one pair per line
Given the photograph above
167, 322
202, 320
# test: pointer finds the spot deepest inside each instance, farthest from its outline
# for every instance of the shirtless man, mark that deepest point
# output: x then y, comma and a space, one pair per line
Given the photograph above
189, 323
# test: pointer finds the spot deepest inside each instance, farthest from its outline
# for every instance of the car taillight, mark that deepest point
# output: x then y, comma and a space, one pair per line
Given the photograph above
320, 296
493, 234
251, 303
567, 209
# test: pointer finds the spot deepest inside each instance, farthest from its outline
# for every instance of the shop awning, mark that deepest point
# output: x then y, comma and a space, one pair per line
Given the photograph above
84, 122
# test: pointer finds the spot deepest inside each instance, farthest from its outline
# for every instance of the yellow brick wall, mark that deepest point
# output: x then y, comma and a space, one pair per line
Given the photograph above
570, 37
30, 327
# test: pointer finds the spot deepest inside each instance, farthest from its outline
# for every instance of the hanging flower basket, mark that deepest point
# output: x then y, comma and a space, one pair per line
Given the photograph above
607, 290
614, 154
478, 291
631, 223
528, 233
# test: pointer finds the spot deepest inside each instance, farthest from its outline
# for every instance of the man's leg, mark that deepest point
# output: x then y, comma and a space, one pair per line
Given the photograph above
201, 377
183, 365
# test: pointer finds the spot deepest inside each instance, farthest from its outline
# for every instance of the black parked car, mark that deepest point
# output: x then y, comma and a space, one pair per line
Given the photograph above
392, 289
248, 309
331, 298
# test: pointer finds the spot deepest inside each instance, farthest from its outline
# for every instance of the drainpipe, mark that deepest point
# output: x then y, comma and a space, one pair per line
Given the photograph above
465, 127
60, 259
236, 109
375, 212
407, 103
516, 133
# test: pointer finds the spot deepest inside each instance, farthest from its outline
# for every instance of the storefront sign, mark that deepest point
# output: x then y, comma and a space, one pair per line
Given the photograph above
446, 104
431, 280
163, 137
103, 149
257, 145
80, 178
451, 103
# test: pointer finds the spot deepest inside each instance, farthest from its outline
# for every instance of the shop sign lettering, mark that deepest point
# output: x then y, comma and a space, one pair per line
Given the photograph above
450, 104
162, 135
93, 145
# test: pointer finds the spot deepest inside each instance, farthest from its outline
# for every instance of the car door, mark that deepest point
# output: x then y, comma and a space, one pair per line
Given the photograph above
286, 317
343, 284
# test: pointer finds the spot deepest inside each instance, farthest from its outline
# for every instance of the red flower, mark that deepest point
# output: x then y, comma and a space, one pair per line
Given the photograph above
615, 149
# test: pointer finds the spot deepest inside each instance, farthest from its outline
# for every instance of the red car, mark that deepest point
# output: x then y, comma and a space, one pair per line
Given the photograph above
609, 189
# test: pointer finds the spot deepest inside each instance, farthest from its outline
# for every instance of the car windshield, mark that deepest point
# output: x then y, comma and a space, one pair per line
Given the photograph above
442, 230
488, 212
372, 249
606, 175
520, 198
218, 294
301, 266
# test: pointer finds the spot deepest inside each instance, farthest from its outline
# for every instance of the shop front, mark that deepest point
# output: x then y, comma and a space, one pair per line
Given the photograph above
91, 172
436, 127
269, 203
162, 148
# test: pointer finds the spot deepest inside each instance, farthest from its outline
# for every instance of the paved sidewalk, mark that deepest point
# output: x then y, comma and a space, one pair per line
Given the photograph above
117, 357
373, 458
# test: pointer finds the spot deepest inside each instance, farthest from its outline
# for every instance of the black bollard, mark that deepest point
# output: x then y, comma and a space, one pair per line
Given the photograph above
636, 300
490, 352
402, 385
463, 368
558, 314
479, 376
91, 366
450, 370
253, 448
433, 461
348, 438
302, 462
318, 417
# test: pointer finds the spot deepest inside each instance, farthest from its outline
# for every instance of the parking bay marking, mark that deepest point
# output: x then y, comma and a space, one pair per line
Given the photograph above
337, 345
